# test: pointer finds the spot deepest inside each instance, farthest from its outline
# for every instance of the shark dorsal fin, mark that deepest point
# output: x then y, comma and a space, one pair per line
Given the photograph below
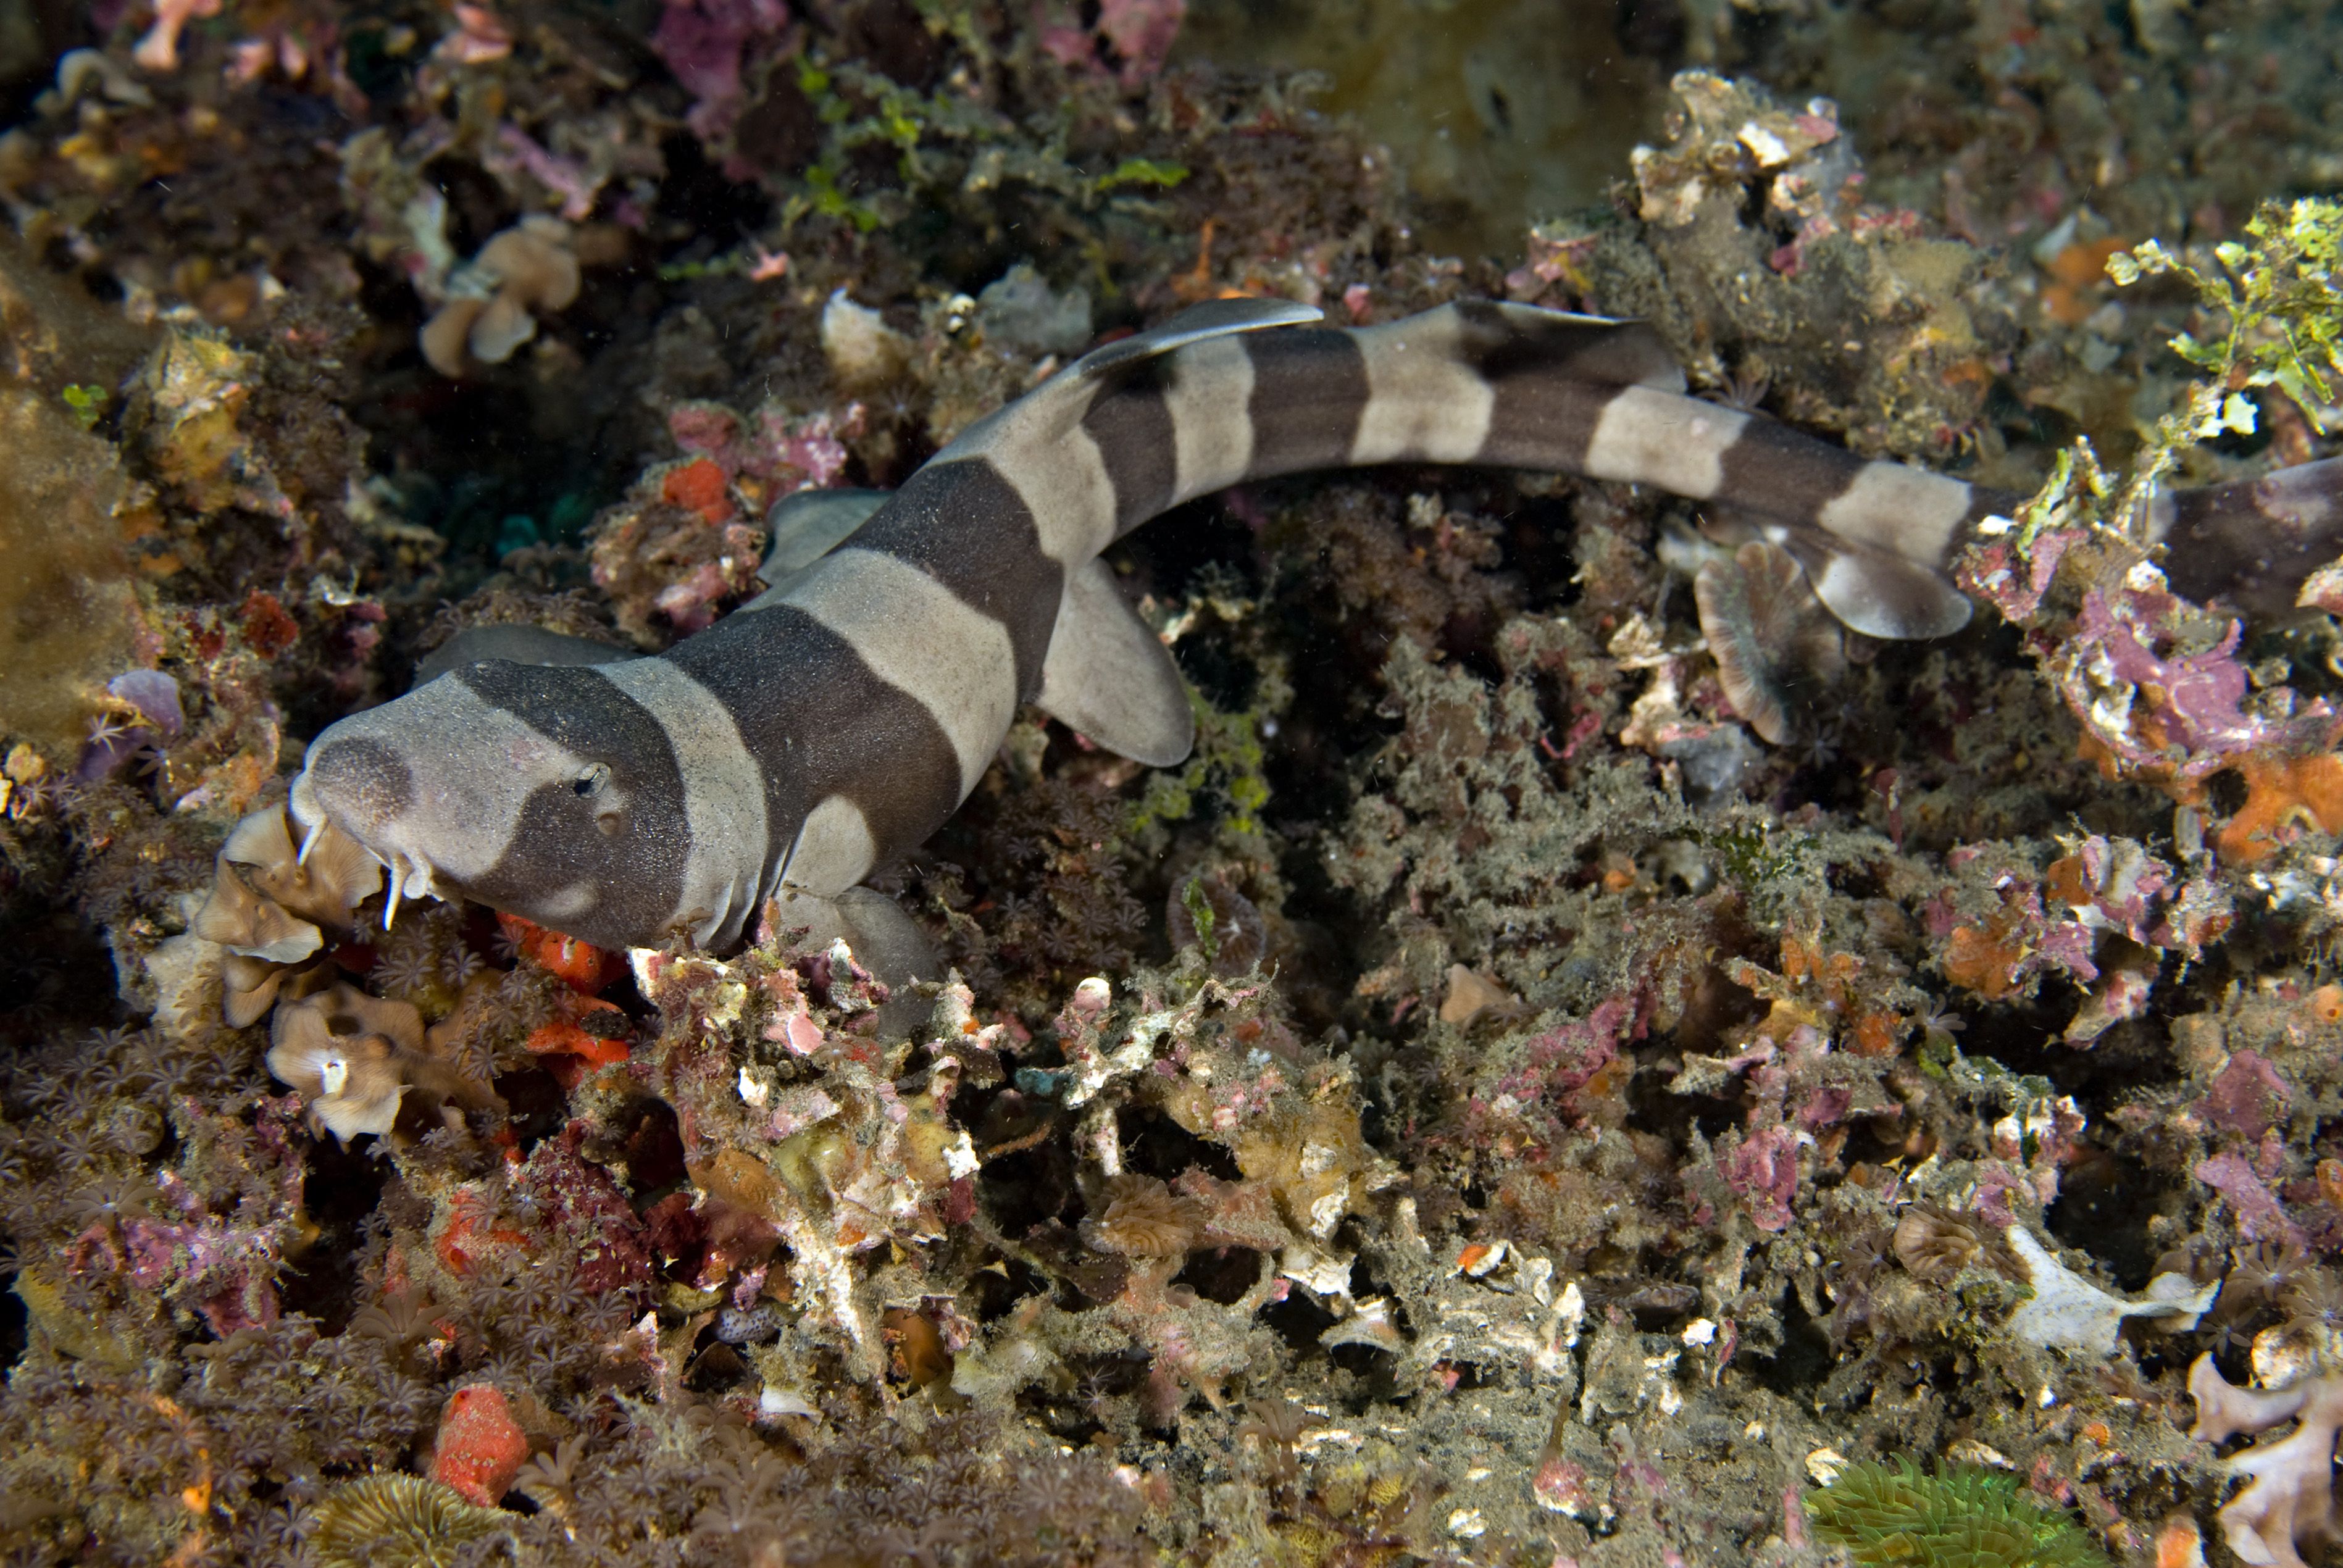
519, 642
1213, 318
809, 525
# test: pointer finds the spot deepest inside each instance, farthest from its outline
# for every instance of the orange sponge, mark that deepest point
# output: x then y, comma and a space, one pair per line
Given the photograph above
481, 1447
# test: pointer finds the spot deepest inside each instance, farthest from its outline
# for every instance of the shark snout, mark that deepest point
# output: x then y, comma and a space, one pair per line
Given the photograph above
360, 782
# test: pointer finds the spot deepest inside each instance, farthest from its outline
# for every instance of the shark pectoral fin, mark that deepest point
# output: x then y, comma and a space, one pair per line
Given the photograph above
1213, 318
809, 525
890, 944
521, 644
1111, 678
1875, 593
883, 938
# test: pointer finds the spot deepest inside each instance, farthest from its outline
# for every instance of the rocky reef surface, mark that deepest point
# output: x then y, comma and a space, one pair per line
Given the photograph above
1540, 1085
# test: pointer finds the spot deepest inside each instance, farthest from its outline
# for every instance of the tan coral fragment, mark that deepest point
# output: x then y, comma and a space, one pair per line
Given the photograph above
342, 1051
268, 906
1471, 994
527, 269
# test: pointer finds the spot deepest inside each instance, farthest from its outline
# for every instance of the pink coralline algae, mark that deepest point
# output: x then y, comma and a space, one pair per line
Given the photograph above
702, 41
1560, 1063
223, 1267
781, 448
1141, 32
2249, 1097
226, 1273
2053, 927
2169, 709
2012, 580
1137, 34
1763, 1170
2259, 1214
581, 1203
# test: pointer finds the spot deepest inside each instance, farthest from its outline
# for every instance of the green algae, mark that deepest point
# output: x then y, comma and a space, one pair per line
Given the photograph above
2280, 299
1226, 765
2281, 311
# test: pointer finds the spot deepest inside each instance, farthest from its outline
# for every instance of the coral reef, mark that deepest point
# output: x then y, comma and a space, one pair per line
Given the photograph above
1587, 1064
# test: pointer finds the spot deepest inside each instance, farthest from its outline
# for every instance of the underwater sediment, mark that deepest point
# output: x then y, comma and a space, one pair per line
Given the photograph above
1589, 1062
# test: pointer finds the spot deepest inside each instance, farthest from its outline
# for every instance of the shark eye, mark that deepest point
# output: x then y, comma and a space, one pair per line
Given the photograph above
590, 781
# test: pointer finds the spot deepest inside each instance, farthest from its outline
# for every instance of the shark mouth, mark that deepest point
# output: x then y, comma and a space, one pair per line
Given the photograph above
410, 875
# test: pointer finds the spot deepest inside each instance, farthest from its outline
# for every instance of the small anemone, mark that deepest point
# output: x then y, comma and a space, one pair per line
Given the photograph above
402, 1519
1206, 913
1143, 1218
1934, 1246
1767, 631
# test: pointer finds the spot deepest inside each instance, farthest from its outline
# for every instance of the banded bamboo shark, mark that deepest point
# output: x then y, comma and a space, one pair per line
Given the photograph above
836, 720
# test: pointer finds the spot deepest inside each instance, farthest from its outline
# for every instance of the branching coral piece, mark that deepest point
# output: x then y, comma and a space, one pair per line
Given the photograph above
2069, 1313
2289, 1496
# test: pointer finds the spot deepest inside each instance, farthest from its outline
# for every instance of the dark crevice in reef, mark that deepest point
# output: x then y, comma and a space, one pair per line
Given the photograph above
339, 1194
2107, 1206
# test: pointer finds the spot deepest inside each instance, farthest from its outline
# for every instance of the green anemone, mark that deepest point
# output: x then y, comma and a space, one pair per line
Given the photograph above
1965, 1518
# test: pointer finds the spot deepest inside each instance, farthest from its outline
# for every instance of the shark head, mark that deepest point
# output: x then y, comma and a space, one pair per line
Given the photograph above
544, 791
